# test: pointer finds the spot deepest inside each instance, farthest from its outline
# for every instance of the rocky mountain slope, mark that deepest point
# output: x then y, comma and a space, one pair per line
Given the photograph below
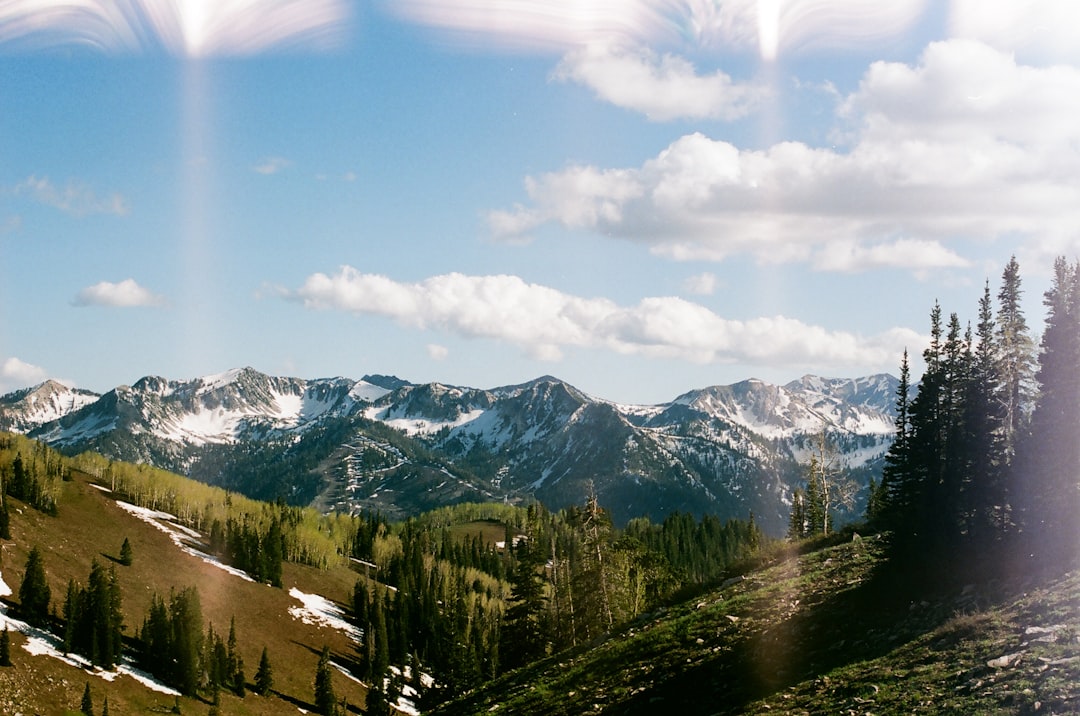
383, 443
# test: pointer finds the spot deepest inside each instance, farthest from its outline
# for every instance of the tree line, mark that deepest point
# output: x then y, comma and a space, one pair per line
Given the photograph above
464, 610
985, 466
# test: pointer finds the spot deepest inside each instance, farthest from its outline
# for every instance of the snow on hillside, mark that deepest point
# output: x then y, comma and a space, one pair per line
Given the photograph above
320, 611
42, 643
183, 537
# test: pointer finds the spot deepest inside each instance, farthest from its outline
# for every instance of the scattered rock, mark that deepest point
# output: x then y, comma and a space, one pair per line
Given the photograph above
1005, 661
732, 618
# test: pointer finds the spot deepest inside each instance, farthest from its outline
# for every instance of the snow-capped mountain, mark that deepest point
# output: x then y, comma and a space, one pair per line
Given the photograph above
386, 443
26, 409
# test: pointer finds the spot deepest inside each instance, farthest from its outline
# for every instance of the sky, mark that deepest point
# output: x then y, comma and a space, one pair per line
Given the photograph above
639, 197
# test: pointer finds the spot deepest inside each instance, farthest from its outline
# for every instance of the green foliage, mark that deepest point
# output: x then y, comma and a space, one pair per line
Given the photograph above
264, 676
325, 698
172, 640
34, 592
966, 482
34, 480
127, 556
87, 705
5, 647
93, 618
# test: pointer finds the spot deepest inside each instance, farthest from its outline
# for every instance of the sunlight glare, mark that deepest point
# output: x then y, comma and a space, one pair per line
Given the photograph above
768, 28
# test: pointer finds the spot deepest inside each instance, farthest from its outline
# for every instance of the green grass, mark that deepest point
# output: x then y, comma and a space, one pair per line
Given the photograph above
818, 629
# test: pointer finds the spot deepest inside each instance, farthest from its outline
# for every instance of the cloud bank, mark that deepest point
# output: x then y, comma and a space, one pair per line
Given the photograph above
126, 294
544, 321
16, 374
965, 145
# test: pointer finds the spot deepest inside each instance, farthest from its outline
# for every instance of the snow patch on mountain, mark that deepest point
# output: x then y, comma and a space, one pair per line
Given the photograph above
320, 611
183, 537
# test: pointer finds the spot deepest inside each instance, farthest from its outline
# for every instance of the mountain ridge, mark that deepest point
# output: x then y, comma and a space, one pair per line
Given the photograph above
728, 450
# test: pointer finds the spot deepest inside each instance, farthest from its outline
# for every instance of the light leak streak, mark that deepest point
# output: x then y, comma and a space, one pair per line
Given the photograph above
191, 28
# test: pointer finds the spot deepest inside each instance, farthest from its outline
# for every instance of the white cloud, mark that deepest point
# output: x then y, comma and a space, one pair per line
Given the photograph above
662, 87
966, 144
703, 284
544, 321
126, 294
1043, 29
75, 199
16, 374
437, 352
183, 27
272, 165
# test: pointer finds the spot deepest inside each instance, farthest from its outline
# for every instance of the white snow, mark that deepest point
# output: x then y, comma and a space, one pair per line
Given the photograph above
41, 643
367, 392
322, 612
182, 536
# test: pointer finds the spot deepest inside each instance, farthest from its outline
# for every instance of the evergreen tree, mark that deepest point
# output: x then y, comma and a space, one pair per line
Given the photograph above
34, 592
896, 476
325, 699
126, 555
522, 636
1016, 356
5, 517
105, 707
87, 705
985, 499
5, 647
264, 676
186, 640
1049, 494
797, 518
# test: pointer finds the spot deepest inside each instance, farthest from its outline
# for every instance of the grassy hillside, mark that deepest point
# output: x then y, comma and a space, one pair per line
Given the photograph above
815, 633
90, 526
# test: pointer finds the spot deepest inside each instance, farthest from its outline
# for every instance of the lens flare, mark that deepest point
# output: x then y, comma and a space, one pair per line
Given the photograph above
190, 28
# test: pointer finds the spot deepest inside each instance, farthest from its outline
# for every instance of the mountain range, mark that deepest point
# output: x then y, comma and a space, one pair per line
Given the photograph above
382, 443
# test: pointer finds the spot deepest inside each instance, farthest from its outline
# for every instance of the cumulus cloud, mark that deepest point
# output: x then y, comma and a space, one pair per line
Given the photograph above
1047, 30
437, 352
662, 87
15, 374
544, 321
126, 294
965, 144
75, 198
183, 27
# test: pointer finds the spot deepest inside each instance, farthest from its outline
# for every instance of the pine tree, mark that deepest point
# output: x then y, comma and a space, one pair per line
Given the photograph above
797, 518
325, 699
34, 593
5, 647
187, 640
985, 498
126, 555
105, 707
87, 706
897, 477
522, 636
1051, 456
5, 517
1017, 358
264, 676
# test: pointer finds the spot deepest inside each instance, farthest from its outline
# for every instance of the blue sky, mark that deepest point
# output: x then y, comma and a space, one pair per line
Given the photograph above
638, 197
